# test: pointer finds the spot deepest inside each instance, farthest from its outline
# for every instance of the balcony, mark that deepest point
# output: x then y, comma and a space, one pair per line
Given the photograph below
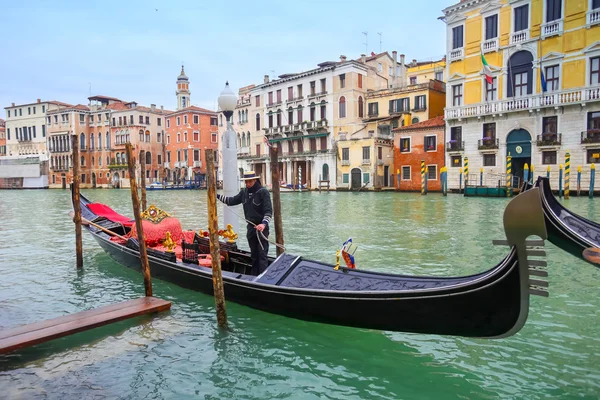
519, 37
549, 139
528, 103
366, 161
244, 150
455, 146
315, 95
552, 28
490, 45
345, 162
593, 17
590, 136
197, 164
488, 144
456, 54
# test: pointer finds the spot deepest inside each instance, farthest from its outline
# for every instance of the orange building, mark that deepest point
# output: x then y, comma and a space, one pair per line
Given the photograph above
423, 141
189, 132
2, 138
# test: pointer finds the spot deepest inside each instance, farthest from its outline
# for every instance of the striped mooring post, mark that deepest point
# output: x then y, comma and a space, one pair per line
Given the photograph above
548, 172
560, 182
567, 173
578, 179
466, 172
481, 176
460, 173
531, 173
508, 175
398, 178
526, 173
592, 179
444, 178
423, 192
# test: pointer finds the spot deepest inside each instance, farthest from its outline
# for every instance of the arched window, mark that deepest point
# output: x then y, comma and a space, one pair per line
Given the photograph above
239, 140
246, 116
148, 158
107, 160
240, 120
290, 116
313, 111
342, 107
99, 161
300, 118
415, 120
82, 141
520, 75
323, 110
93, 161
123, 158
99, 141
270, 119
82, 161
257, 121
178, 137
248, 138
118, 158
278, 117
91, 141
107, 140
141, 132
244, 140
360, 107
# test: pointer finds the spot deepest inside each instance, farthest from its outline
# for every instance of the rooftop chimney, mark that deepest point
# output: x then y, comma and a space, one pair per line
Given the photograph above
13, 104
162, 108
395, 68
153, 107
363, 58
414, 62
266, 78
402, 59
342, 58
39, 101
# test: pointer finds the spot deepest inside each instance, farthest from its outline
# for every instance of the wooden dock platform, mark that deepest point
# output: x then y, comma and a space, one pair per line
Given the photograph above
43, 331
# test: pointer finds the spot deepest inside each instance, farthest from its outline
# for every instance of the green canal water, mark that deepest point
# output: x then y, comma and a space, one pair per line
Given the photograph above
181, 354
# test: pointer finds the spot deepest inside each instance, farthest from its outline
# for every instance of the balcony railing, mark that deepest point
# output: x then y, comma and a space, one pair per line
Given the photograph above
455, 145
490, 45
549, 139
322, 93
345, 162
519, 37
366, 161
552, 28
456, 54
590, 136
593, 17
488, 144
532, 102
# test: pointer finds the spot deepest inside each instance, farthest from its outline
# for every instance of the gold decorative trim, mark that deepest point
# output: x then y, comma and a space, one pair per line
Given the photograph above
154, 214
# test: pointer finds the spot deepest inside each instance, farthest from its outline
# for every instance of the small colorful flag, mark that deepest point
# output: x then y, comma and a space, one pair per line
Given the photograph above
543, 78
486, 70
267, 141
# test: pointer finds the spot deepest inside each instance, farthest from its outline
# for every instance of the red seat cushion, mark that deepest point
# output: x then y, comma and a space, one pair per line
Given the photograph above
102, 210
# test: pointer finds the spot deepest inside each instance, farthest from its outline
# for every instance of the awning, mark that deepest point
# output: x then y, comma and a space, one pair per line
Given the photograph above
283, 139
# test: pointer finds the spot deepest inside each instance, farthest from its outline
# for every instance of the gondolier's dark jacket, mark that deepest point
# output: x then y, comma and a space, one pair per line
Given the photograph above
256, 200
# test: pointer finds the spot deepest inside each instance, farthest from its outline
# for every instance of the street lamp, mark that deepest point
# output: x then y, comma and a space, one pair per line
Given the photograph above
227, 102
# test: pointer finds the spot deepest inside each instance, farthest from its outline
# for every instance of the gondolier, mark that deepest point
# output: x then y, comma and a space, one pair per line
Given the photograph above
258, 211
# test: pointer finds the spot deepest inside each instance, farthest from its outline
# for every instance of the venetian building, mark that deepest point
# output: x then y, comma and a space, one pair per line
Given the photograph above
183, 90
524, 80
2, 138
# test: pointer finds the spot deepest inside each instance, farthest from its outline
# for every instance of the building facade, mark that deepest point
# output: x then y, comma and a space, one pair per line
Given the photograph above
524, 80
2, 137
421, 142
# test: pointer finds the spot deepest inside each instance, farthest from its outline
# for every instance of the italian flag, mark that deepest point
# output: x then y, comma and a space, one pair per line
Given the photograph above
486, 69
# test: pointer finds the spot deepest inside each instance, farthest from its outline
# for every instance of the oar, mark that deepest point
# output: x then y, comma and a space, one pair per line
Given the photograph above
87, 222
592, 255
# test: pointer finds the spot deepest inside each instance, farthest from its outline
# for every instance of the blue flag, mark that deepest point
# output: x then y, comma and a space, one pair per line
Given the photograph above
544, 87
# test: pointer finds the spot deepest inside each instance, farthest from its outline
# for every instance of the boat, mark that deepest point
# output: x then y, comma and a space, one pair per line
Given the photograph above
567, 230
173, 186
490, 304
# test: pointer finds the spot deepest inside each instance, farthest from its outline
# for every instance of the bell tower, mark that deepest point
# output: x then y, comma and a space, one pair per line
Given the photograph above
183, 90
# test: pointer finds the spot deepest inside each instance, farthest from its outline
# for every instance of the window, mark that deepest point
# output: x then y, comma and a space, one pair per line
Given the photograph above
491, 27
432, 172
399, 105
415, 120
185, 119
300, 119
345, 178
359, 81
342, 107
521, 84
595, 71
196, 155
43, 130
420, 103
521, 18
279, 118
457, 95
489, 131
549, 126
342, 81
366, 154
270, 120
28, 110
178, 137
43, 109
553, 10
360, 107
373, 109
258, 122
8, 114
290, 116
213, 137
406, 173
439, 75
489, 160
366, 177
299, 91
380, 153
141, 119
405, 145
323, 110
457, 37
279, 96
379, 67
430, 143
595, 4
257, 101
491, 89
548, 157
413, 80
168, 123
323, 85
290, 93
178, 121
593, 156
312, 111
196, 135
159, 156
552, 78
130, 119
456, 161
196, 119
214, 120
345, 154
312, 88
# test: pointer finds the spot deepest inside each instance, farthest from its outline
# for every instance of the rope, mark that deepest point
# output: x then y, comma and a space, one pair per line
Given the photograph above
258, 233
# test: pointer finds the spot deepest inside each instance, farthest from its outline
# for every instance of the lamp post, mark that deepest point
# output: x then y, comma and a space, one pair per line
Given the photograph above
227, 102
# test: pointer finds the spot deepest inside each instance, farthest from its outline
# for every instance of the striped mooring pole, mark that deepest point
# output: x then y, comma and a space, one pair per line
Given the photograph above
567, 174
531, 173
444, 179
592, 179
423, 177
460, 173
578, 179
560, 182
526, 173
466, 172
508, 175
481, 176
398, 178
548, 172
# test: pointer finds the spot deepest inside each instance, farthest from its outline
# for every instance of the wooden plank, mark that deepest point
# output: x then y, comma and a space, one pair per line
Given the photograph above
40, 332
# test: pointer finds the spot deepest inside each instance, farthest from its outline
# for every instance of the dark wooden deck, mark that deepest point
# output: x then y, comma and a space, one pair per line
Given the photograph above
43, 331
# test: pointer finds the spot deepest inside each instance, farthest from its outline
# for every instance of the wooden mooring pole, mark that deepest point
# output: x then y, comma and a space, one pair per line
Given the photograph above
76, 203
277, 198
213, 229
138, 220
143, 179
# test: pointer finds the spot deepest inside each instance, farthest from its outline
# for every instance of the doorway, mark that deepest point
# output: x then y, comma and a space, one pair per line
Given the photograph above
64, 181
386, 176
355, 182
94, 180
518, 146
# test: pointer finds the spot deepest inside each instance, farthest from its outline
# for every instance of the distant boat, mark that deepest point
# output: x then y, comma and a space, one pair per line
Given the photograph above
188, 185
288, 187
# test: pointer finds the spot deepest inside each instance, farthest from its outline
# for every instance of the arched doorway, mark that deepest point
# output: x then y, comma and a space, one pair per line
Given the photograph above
355, 180
520, 74
518, 145
94, 180
116, 181
325, 172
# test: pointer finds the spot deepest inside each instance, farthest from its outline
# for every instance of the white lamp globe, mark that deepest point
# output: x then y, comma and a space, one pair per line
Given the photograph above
227, 99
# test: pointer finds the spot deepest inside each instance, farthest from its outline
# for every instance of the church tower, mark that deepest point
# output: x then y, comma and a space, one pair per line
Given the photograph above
183, 91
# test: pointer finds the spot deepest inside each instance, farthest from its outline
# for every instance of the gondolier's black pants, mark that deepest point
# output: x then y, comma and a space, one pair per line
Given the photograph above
260, 262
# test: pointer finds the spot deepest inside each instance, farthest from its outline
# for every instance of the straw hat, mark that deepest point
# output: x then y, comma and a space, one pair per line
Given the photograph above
249, 175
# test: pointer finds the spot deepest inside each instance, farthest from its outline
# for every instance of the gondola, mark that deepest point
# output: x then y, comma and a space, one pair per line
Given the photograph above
490, 304
567, 230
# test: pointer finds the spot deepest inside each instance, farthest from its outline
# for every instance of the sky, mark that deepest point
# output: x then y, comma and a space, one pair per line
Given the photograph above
133, 50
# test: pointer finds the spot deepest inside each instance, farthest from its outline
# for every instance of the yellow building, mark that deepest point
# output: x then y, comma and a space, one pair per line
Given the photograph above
543, 94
